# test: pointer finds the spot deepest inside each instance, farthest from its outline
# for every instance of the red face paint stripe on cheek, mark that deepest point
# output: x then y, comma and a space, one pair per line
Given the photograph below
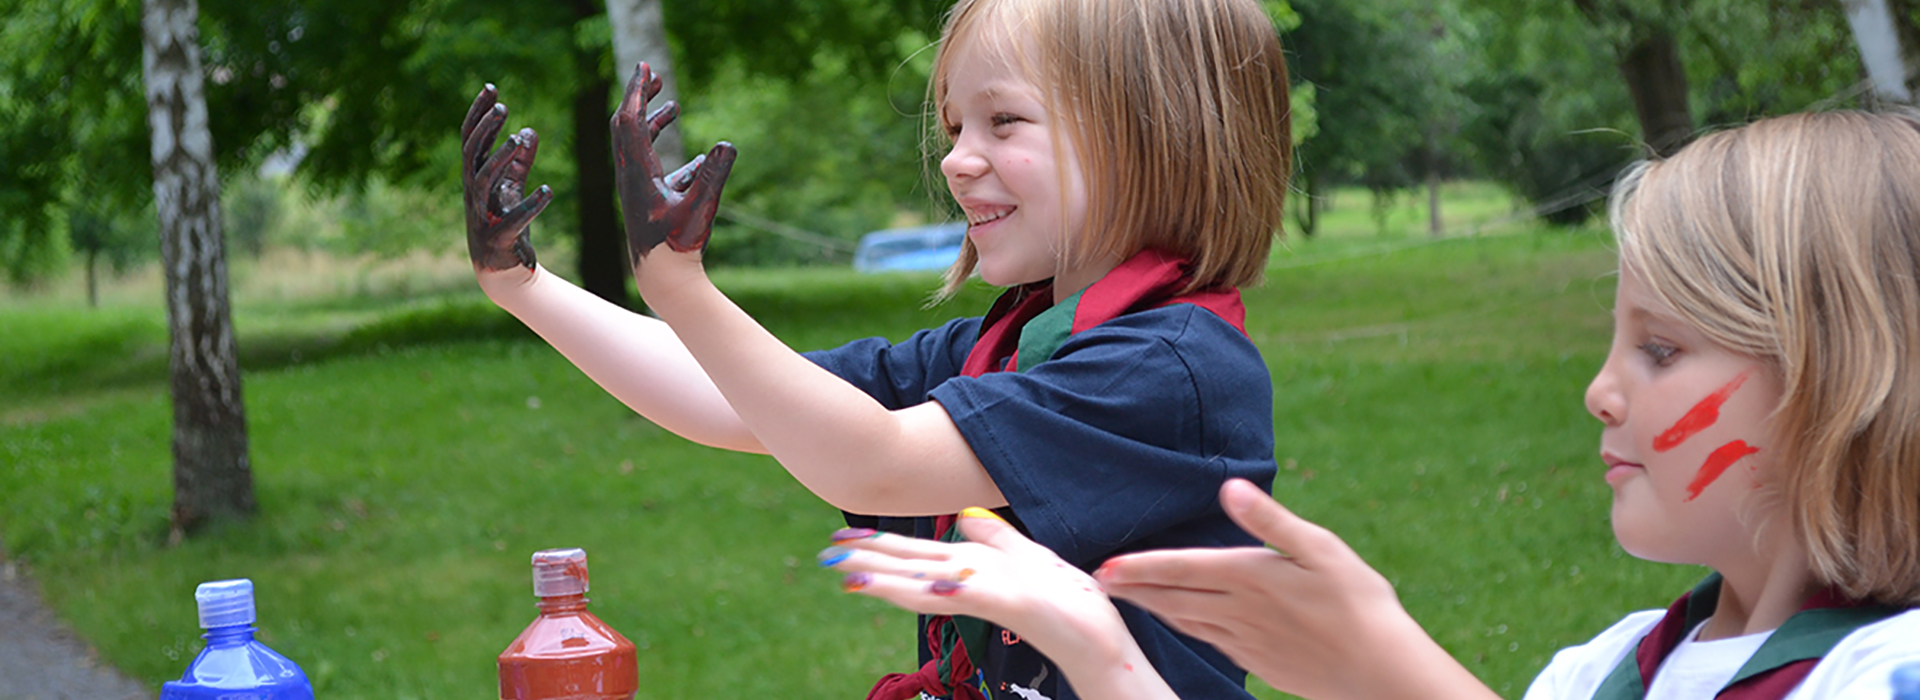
1717, 464
1702, 416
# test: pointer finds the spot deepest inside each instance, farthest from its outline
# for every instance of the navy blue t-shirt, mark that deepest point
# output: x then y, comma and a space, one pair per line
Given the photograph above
1117, 443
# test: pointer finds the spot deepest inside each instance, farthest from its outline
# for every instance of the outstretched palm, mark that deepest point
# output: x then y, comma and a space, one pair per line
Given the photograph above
675, 208
498, 210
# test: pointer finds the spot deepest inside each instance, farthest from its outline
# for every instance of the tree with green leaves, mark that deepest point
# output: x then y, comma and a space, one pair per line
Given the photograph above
1374, 96
1572, 92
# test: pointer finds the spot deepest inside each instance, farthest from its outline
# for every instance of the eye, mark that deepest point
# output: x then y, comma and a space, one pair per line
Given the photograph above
952, 129
1002, 119
1661, 353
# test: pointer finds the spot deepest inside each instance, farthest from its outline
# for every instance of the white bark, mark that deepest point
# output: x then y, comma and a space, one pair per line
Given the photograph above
211, 474
640, 34
1880, 50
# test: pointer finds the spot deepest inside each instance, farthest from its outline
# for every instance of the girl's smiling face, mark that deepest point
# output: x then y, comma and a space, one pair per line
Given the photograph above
1012, 168
1686, 435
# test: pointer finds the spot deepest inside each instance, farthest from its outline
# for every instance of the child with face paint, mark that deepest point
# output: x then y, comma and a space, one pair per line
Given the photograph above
1122, 166
1760, 410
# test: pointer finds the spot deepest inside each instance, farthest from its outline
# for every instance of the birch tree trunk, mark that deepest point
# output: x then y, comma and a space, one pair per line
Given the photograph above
211, 474
1881, 51
640, 34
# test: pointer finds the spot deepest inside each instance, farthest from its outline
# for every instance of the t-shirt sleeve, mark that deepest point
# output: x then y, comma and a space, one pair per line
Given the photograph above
1861, 666
899, 375
1576, 671
1120, 441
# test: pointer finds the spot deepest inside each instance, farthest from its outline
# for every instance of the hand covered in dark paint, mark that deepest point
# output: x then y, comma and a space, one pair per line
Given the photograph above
675, 208
498, 211
997, 575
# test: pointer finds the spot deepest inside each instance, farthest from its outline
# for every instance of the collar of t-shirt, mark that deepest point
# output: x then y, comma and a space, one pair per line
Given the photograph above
1697, 669
1025, 327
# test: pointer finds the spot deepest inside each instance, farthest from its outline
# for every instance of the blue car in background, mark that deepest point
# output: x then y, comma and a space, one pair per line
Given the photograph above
933, 247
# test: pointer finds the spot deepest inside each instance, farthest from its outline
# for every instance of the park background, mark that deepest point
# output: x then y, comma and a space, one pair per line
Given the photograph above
1430, 322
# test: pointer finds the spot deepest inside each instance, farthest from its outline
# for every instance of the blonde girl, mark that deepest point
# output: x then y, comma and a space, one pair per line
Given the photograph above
1122, 166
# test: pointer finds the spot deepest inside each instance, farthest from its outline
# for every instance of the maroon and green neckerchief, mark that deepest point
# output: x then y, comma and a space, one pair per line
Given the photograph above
1774, 670
1023, 329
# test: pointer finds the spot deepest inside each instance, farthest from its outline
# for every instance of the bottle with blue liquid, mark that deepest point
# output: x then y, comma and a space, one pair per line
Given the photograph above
233, 665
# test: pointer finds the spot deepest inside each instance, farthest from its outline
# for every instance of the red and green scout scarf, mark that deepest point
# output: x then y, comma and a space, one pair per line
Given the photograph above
1023, 329
1774, 670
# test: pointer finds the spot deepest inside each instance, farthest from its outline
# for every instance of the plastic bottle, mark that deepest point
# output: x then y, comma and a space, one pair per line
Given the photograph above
567, 653
1906, 681
234, 665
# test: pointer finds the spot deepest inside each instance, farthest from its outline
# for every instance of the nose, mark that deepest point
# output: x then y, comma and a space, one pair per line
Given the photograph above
1604, 399
963, 160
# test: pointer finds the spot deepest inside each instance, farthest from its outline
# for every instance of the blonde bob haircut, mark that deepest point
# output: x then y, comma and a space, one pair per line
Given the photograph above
1796, 240
1178, 109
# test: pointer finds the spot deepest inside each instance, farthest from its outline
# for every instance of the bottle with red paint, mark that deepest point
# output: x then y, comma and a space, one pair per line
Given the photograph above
567, 653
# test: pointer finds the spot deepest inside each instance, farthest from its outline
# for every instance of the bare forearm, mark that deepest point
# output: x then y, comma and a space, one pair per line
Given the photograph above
1111, 667
635, 358
1421, 669
838, 441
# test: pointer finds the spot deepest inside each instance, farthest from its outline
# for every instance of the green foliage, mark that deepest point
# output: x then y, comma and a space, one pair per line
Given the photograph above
387, 220
1361, 62
251, 208
1749, 64
785, 38
74, 105
1551, 115
842, 159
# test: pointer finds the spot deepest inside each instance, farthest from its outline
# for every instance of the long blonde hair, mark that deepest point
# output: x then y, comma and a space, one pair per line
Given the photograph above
1797, 240
1179, 110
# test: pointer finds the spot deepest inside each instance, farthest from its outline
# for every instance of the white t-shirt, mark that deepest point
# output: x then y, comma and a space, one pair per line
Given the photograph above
1859, 667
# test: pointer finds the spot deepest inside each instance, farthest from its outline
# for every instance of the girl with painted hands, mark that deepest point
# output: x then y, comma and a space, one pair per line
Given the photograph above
1760, 410
1122, 202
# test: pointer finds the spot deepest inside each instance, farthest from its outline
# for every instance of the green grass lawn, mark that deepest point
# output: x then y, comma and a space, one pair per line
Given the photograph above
409, 455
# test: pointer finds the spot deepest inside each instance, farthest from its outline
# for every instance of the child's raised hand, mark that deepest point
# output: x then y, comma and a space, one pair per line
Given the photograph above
997, 575
675, 208
498, 211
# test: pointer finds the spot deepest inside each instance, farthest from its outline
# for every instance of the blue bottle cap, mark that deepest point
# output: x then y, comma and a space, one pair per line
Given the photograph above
225, 603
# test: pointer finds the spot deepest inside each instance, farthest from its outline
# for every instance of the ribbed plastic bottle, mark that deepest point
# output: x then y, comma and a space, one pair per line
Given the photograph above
234, 665
567, 653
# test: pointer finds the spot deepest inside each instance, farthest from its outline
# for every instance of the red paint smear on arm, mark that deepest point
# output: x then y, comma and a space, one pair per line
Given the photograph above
1717, 464
1702, 416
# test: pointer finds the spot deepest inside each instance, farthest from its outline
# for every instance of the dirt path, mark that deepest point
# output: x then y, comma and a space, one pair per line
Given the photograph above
40, 659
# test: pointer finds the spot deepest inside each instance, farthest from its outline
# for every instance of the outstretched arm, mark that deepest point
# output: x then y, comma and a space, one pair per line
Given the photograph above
1311, 619
637, 359
999, 575
838, 441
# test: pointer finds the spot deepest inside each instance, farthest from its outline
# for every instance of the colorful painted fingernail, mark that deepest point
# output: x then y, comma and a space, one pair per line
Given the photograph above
1104, 571
854, 533
856, 581
978, 512
945, 588
833, 555
964, 574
